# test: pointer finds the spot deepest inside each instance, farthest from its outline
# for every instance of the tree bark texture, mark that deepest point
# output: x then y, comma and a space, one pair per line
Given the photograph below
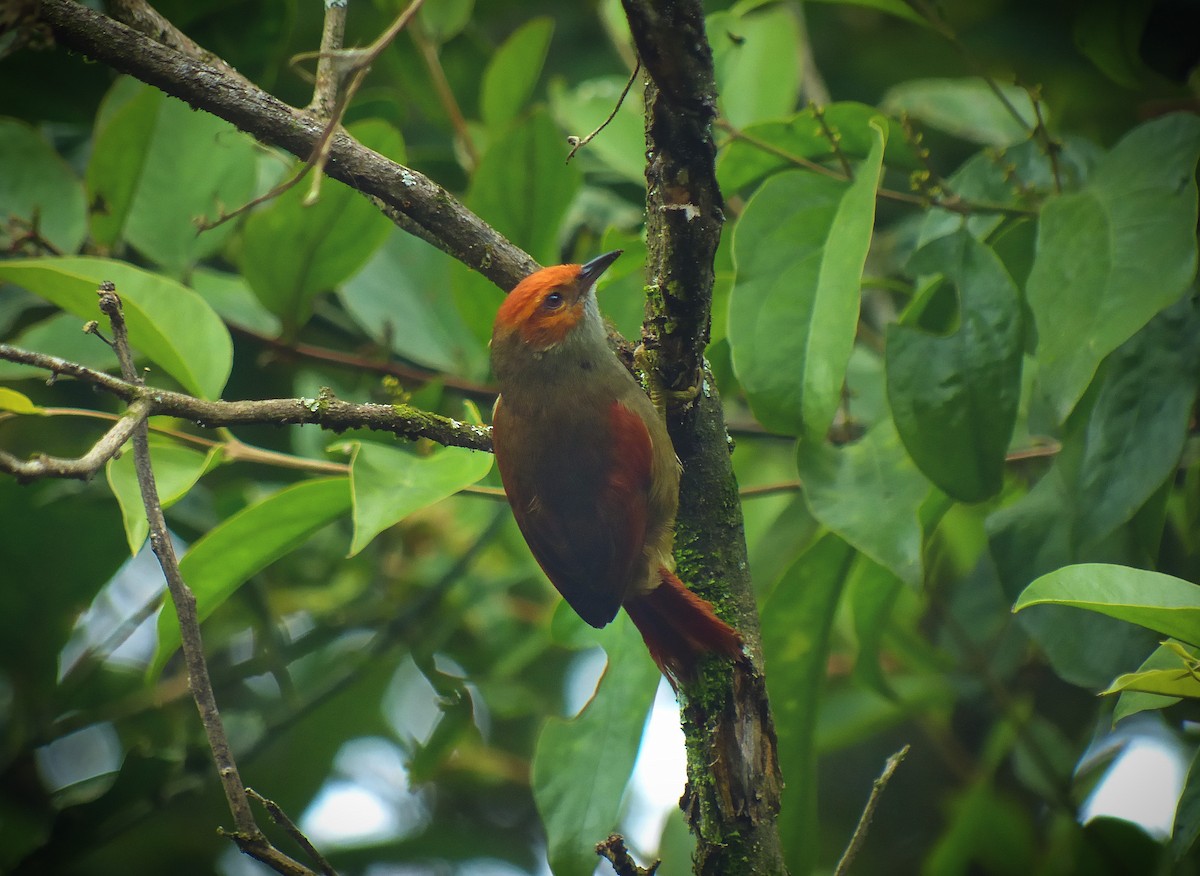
734, 784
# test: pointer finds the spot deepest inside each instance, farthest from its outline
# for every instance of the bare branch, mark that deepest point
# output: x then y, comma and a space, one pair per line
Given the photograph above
325, 411
864, 822
329, 77
84, 467
248, 836
613, 850
281, 818
445, 222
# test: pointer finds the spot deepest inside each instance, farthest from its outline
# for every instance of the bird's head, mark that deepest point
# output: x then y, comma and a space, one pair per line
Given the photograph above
546, 307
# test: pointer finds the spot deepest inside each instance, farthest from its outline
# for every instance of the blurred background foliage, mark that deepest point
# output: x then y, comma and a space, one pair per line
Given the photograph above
391, 664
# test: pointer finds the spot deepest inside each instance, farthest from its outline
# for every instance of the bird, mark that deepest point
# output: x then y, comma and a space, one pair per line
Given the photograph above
590, 472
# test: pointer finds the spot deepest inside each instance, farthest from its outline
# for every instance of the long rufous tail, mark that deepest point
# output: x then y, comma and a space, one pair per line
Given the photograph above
680, 628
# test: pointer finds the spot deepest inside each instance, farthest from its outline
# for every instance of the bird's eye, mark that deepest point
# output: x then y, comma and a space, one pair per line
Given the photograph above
553, 301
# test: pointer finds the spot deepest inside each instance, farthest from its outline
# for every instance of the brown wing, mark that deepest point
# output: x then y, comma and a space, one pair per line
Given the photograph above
580, 501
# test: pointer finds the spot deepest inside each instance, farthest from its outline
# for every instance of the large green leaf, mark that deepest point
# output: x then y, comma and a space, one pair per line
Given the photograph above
176, 470
292, 252
954, 397
226, 557
1111, 256
1159, 602
870, 494
399, 299
755, 61
513, 72
796, 630
799, 250
168, 322
138, 191
522, 187
581, 766
389, 483
45, 194
966, 108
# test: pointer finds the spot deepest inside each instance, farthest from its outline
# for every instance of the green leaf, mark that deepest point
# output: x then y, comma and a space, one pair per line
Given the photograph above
388, 484
1114, 254
16, 403
870, 494
1130, 702
1159, 602
1171, 684
245, 544
1187, 813
579, 109
139, 193
756, 63
399, 299
445, 19
168, 322
176, 470
873, 593
965, 108
954, 397
1109, 33
522, 186
1018, 177
799, 250
744, 161
581, 766
230, 297
898, 8
45, 194
513, 72
292, 252
797, 623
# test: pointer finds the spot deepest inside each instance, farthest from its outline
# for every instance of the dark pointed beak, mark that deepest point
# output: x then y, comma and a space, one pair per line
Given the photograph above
597, 266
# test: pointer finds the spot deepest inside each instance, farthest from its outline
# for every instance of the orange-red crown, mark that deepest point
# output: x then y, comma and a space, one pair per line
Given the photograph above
548, 304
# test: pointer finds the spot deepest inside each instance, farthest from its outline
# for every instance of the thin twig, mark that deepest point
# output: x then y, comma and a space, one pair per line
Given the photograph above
613, 850
248, 836
954, 205
578, 143
281, 818
864, 823
445, 95
835, 140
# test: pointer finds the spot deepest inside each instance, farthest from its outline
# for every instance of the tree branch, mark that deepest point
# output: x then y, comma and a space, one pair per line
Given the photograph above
734, 785
325, 411
435, 215
84, 467
248, 836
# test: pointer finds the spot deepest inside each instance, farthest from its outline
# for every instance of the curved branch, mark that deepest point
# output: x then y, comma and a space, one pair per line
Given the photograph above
429, 211
325, 411
84, 467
